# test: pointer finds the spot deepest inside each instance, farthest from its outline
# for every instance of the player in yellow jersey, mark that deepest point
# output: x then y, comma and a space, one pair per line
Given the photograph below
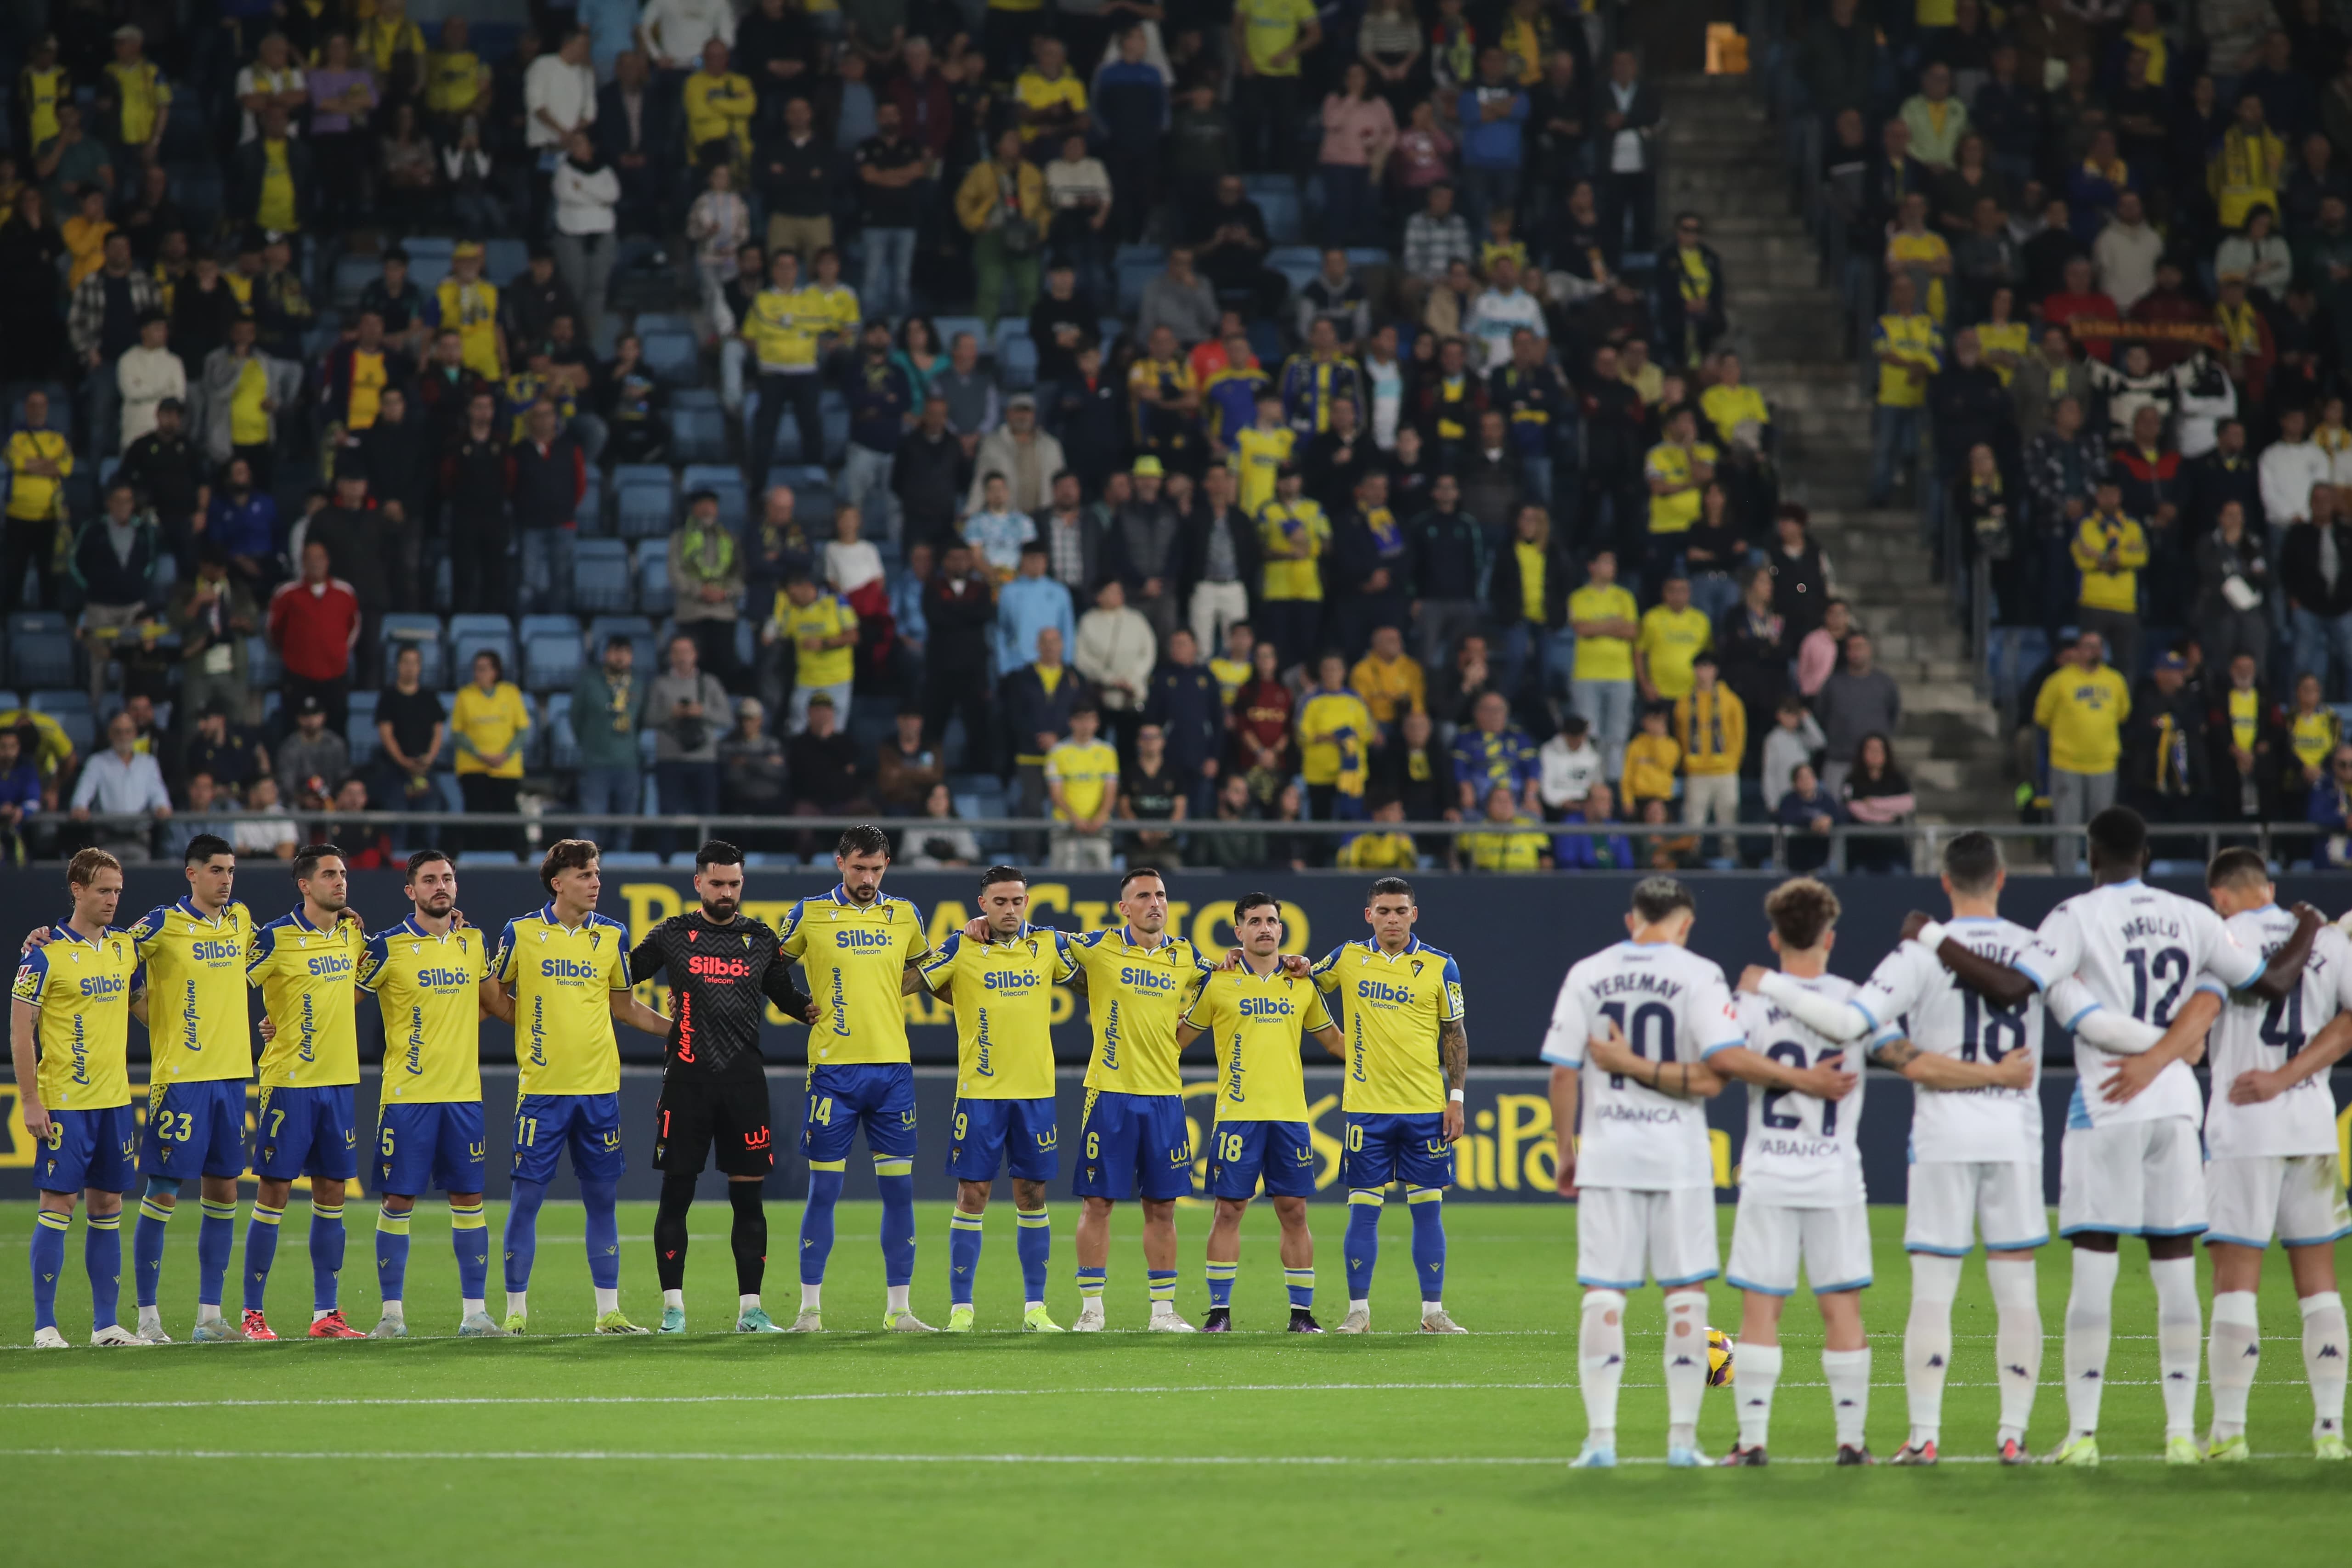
1407, 1057
561, 977
856, 945
430, 975
1002, 987
303, 963
1133, 1139
199, 1050
1257, 1015
68, 1036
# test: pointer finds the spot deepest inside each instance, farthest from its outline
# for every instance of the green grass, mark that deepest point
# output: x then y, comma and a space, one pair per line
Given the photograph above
1395, 1446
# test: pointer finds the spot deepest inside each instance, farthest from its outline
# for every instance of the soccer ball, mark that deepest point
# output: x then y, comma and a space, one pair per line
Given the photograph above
1720, 1352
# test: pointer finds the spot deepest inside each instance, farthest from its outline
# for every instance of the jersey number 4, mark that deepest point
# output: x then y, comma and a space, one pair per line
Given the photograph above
1653, 1024
2283, 1023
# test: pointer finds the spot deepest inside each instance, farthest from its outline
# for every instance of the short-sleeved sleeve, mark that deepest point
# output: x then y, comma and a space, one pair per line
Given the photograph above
373, 957
1712, 1022
1065, 959
939, 968
1564, 1042
616, 963
2056, 951
919, 943
504, 966
1896, 986
1326, 971
2221, 954
1196, 1012
1318, 1016
790, 942
32, 973
1449, 1009
259, 952
149, 927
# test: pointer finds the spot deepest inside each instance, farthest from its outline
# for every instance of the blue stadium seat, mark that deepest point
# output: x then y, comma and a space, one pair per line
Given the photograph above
9, 699
600, 575
429, 245
1111, 329
592, 503
635, 860
1370, 255
662, 321
652, 581
672, 357
563, 749
262, 663
353, 273
550, 662
362, 729
504, 260
645, 502
1017, 362
697, 435
401, 628
636, 629
800, 477
949, 326
1132, 276
722, 480
71, 710
41, 649
428, 270
470, 635
695, 397
1280, 209
1155, 254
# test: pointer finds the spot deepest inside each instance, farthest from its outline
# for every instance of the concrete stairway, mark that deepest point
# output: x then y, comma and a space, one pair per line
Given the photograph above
1723, 162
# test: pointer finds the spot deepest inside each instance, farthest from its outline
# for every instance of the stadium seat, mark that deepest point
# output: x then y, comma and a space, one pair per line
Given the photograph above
632, 859
360, 731
428, 270
563, 749
504, 260
353, 273
262, 663
1017, 362
697, 435
401, 628
636, 629
71, 710
695, 397
661, 322
652, 581
41, 649
551, 663
672, 357
600, 575
643, 504
1281, 211
592, 503
470, 635
949, 326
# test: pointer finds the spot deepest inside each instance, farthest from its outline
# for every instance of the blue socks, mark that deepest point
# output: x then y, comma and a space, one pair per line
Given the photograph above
1090, 1286
963, 1257
215, 1240
522, 1231
392, 1253
1428, 1207
469, 1238
603, 1233
1300, 1283
103, 1254
896, 1178
1033, 1240
326, 1254
261, 1251
1220, 1283
816, 1220
1161, 1284
1362, 1249
49, 1229
147, 1240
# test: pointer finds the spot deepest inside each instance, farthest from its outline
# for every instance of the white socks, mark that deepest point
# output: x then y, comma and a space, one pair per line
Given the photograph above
809, 1294
1685, 1365
396, 1311
2323, 1350
207, 1312
747, 1303
2237, 1356
1926, 1342
607, 1300
1848, 1378
895, 1298
517, 1304
467, 1307
674, 1299
2090, 1305
2180, 1325
1158, 1309
2017, 1340
1601, 1362
1758, 1373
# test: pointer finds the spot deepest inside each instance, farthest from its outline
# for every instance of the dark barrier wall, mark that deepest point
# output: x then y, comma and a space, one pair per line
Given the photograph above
1508, 1155
1513, 937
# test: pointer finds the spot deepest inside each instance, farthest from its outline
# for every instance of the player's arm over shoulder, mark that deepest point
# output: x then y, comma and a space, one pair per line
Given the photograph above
650, 956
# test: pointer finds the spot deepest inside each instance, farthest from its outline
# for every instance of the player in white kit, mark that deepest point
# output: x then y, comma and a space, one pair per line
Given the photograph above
2270, 1162
1976, 1141
2130, 1160
1642, 1171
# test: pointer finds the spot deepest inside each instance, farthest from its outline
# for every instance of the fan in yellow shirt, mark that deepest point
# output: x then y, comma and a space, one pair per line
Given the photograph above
2081, 707
1052, 100
1390, 684
1677, 470
1259, 452
1335, 738
718, 104
488, 719
1673, 635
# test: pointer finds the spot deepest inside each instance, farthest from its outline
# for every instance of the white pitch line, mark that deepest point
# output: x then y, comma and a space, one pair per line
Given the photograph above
613, 1456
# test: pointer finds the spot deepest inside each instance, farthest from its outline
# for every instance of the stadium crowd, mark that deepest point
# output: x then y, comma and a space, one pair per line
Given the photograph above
397, 419
2105, 249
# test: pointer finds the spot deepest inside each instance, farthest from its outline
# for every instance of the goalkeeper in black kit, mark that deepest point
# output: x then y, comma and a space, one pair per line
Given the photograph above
723, 970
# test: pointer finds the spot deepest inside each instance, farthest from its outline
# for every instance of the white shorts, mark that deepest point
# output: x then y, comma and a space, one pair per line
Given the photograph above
1768, 1239
2133, 1178
2299, 1198
1951, 1200
1625, 1237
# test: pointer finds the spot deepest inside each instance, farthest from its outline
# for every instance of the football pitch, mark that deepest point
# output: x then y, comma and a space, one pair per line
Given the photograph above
857, 1446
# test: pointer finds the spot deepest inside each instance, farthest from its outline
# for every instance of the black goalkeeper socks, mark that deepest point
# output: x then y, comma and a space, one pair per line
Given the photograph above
749, 1235
669, 1231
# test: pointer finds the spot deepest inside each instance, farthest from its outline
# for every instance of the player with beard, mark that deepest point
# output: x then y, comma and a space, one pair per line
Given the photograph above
722, 971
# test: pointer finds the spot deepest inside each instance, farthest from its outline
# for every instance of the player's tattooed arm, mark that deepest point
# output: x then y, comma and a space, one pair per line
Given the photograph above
1929, 1070
1454, 1056
628, 1010
2327, 1047
1825, 1080
1681, 1080
1996, 982
2284, 970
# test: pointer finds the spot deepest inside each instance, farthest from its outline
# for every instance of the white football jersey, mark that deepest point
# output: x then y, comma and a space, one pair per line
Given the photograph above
2253, 1034
1802, 1152
1672, 1005
2140, 951
1912, 994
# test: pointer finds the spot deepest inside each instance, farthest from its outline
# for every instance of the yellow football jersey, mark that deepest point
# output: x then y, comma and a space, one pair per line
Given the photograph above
1258, 1022
854, 957
196, 1022
1003, 992
562, 982
429, 988
1258, 456
81, 990
304, 975
1393, 1007
1135, 995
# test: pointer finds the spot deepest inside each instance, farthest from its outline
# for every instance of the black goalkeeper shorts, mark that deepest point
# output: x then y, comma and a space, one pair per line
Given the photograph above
698, 1109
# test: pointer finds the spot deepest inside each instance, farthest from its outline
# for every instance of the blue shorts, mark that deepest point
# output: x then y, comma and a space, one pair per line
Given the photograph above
877, 1095
1241, 1152
299, 1131
1134, 1146
94, 1149
1018, 1134
1381, 1147
589, 1123
437, 1144
195, 1130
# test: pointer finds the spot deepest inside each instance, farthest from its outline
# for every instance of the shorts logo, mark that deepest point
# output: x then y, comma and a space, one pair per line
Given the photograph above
760, 1140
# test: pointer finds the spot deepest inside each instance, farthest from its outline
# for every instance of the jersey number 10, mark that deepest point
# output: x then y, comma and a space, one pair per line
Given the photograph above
1653, 1023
